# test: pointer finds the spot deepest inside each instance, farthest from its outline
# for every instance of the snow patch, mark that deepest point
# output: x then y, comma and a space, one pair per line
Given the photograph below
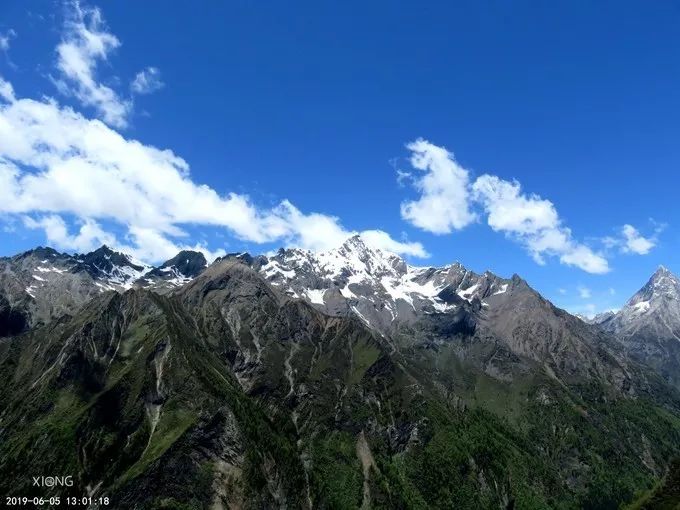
467, 293
316, 296
502, 290
50, 269
273, 268
641, 307
346, 293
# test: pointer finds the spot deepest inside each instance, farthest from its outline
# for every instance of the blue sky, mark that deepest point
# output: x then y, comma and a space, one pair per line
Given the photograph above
299, 123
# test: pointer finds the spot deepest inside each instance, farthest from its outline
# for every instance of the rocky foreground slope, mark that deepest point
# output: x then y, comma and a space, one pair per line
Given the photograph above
388, 387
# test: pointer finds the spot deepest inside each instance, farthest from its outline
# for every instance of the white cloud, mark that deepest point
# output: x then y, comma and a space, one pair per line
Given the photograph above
636, 243
147, 81
89, 236
149, 244
584, 293
447, 199
631, 241
56, 163
562, 291
319, 232
583, 257
511, 211
443, 204
383, 241
5, 39
85, 42
533, 222
6, 91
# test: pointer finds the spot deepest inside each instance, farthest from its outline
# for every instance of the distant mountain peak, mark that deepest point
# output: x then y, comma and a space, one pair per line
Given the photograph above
649, 324
599, 318
657, 301
41, 252
662, 284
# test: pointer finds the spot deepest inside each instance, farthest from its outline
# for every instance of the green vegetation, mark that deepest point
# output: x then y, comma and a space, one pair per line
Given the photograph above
186, 412
665, 495
336, 473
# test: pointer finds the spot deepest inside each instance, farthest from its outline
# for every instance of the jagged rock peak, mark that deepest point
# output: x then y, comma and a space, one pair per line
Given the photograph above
354, 241
187, 262
662, 270
649, 324
662, 285
105, 258
656, 304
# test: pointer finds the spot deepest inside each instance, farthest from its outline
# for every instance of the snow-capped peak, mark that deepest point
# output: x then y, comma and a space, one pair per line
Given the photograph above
375, 285
656, 305
111, 269
662, 285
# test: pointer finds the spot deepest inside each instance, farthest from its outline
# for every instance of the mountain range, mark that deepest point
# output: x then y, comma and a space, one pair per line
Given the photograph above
344, 379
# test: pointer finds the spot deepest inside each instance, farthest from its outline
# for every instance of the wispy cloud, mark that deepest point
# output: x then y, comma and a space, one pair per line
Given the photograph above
588, 302
85, 42
6, 39
5, 43
147, 81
